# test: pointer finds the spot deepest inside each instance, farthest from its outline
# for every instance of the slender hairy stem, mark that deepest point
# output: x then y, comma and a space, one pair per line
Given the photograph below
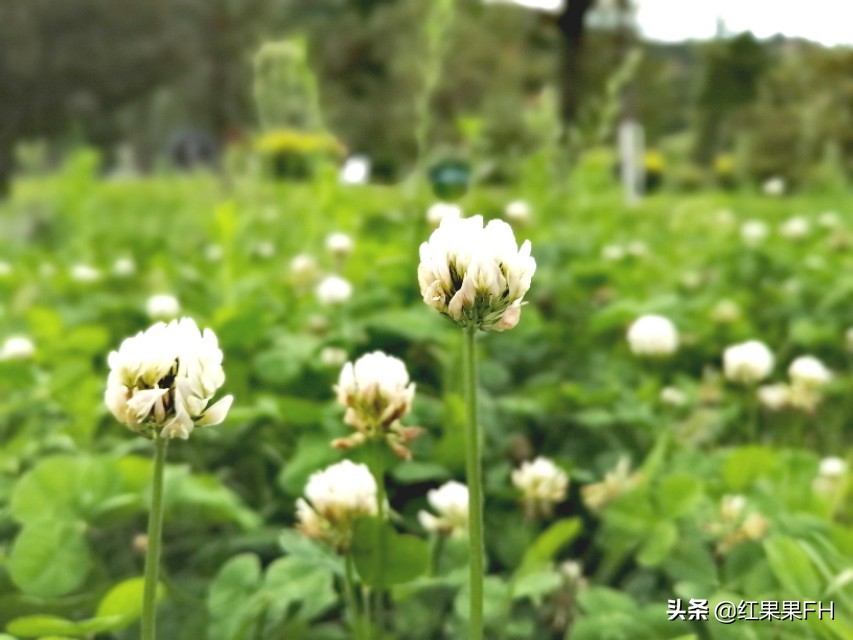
379, 472
475, 490
349, 596
155, 532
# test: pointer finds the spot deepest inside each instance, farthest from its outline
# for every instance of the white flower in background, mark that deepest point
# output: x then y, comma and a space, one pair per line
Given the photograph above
673, 396
774, 186
542, 484
5, 269
339, 244
829, 220
162, 306
754, 527
613, 252
726, 312
653, 335
124, 267
475, 275
848, 339
616, 482
377, 393
356, 170
808, 371
795, 228
303, 269
748, 362
833, 467
85, 274
334, 290
774, 397
637, 248
162, 379
691, 280
732, 507
335, 498
333, 356
265, 249
213, 253
441, 210
725, 217
17, 348
754, 232
450, 502
518, 211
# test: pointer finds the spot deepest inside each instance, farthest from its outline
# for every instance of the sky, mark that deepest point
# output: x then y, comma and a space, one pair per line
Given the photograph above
825, 21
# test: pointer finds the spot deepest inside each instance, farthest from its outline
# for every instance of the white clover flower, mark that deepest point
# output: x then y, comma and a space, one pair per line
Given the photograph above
829, 220
450, 502
612, 252
5, 269
542, 484
774, 397
476, 275
336, 497
213, 253
774, 186
518, 211
725, 217
334, 290
162, 306
616, 482
726, 312
441, 210
85, 274
691, 280
652, 335
162, 379
547, 6
732, 507
303, 270
124, 267
673, 396
333, 356
265, 249
809, 372
795, 228
356, 170
833, 467
753, 232
17, 348
339, 244
377, 393
748, 362
637, 248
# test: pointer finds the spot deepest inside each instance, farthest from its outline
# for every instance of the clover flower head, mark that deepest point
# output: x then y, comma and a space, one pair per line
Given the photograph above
339, 244
162, 379
450, 502
542, 484
748, 362
162, 306
17, 348
334, 290
653, 335
476, 274
518, 211
441, 210
809, 372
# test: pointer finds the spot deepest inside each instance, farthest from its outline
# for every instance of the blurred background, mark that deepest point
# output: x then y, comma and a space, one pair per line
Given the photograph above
725, 91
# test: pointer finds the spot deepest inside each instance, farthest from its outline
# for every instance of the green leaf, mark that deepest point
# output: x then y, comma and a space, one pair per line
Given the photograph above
125, 600
49, 558
231, 600
497, 600
678, 495
405, 556
204, 497
659, 544
536, 584
47, 626
747, 464
550, 541
793, 568
298, 580
415, 472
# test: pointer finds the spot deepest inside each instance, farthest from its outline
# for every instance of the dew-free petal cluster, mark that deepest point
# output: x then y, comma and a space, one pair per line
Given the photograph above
476, 274
450, 502
162, 379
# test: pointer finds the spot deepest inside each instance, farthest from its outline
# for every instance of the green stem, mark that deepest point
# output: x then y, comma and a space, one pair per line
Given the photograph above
349, 596
436, 550
155, 532
473, 471
379, 473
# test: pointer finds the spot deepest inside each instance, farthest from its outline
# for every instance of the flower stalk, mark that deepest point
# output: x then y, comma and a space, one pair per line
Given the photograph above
155, 532
473, 466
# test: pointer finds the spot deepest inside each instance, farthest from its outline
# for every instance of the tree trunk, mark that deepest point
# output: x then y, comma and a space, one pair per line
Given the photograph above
571, 25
